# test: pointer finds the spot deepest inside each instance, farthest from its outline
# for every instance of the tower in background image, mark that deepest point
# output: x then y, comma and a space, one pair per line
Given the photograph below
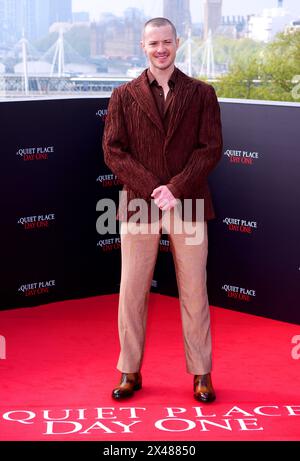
212, 16
178, 11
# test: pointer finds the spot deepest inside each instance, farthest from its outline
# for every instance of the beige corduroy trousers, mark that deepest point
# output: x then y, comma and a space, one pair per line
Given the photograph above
139, 248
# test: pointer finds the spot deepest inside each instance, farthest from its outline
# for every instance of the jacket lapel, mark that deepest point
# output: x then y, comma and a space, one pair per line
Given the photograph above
141, 92
183, 93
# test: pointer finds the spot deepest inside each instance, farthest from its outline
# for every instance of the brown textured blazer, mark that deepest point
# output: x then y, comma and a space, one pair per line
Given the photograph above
143, 156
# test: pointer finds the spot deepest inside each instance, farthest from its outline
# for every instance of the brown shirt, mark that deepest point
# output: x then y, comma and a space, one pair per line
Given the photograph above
162, 104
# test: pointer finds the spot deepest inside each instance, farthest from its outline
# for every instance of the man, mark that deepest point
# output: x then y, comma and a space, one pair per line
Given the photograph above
162, 138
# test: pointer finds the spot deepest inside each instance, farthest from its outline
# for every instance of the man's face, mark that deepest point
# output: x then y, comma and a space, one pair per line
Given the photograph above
160, 46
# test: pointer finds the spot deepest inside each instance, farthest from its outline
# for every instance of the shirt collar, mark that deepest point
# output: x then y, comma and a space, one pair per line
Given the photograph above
172, 80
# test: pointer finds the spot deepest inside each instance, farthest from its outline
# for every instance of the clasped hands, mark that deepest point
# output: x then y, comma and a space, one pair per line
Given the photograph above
164, 198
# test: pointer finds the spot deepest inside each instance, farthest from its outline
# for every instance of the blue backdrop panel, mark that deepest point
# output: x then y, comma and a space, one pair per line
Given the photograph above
254, 249
58, 258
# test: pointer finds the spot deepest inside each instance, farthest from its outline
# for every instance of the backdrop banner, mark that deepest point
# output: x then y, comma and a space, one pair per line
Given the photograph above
55, 186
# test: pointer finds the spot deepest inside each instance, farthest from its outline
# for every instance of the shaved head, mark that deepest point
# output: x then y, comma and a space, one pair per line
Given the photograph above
159, 22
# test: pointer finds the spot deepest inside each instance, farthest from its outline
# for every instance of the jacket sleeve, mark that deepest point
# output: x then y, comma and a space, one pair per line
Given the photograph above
207, 154
117, 154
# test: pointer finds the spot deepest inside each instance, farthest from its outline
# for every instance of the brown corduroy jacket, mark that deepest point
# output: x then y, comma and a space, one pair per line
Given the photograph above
143, 156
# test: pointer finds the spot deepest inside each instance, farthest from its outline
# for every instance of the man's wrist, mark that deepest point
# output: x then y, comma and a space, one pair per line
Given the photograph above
174, 191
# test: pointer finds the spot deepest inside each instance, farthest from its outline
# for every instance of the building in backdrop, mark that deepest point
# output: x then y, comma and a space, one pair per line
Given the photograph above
31, 18
178, 11
212, 16
117, 36
265, 26
234, 26
294, 26
81, 16
10, 22
60, 10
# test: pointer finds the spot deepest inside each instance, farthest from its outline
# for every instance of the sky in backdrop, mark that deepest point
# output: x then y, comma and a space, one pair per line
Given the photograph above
153, 8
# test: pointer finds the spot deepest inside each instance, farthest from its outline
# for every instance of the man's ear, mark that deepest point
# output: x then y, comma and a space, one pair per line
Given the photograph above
143, 47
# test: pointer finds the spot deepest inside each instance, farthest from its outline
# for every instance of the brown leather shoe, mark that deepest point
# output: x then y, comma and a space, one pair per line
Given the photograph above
129, 383
203, 388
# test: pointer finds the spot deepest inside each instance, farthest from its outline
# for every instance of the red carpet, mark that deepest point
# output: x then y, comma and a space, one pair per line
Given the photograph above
60, 369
